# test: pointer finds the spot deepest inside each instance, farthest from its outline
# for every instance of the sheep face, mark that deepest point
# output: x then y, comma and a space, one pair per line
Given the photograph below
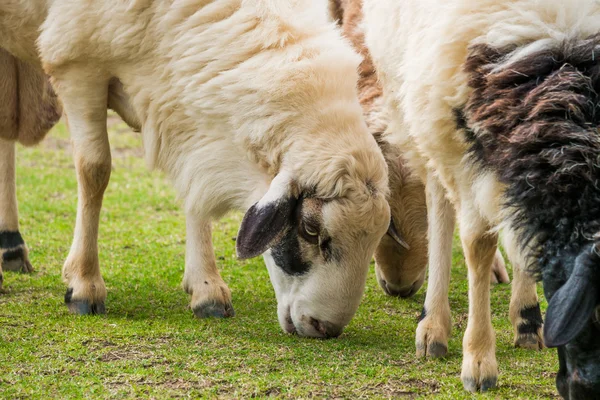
401, 264
572, 321
317, 252
534, 120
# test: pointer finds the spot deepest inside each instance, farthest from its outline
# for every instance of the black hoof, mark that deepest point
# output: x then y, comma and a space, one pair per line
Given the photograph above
472, 385
434, 350
214, 310
82, 307
437, 350
15, 260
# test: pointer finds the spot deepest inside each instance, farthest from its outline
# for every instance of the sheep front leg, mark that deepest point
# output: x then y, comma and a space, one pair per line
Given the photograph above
84, 98
13, 251
433, 330
524, 311
479, 367
210, 295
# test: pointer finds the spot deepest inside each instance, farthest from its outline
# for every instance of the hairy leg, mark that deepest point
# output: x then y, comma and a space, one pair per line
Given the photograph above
525, 313
479, 368
210, 295
84, 98
13, 251
433, 330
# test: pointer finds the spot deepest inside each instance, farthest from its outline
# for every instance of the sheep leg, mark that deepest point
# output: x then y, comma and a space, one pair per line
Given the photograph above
210, 295
433, 330
499, 273
479, 367
13, 251
525, 313
84, 99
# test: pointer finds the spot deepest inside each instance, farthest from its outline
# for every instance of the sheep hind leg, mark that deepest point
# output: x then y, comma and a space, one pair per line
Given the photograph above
525, 314
84, 98
499, 273
479, 367
434, 326
13, 251
210, 295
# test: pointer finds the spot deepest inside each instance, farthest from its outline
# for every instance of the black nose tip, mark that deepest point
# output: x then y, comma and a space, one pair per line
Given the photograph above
326, 329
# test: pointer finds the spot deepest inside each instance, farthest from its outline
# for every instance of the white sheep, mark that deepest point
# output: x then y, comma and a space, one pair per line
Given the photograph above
496, 102
400, 266
246, 105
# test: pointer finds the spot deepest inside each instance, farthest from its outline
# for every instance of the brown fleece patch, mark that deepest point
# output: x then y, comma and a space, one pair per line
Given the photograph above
349, 13
29, 108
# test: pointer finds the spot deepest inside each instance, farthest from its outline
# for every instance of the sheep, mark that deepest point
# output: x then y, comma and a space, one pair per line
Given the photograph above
400, 266
498, 101
244, 105
395, 264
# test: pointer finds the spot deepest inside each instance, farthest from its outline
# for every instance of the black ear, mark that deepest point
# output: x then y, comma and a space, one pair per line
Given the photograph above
266, 221
393, 232
572, 305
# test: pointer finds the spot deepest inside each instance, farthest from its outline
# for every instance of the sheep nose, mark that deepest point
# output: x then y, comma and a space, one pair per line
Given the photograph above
404, 292
326, 329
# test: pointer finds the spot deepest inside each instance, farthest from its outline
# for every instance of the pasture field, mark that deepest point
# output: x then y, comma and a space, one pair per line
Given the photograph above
149, 345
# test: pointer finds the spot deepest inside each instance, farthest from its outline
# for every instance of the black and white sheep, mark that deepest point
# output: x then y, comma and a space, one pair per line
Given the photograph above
499, 100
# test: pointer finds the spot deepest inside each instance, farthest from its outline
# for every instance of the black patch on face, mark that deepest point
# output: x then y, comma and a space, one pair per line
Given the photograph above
11, 255
287, 254
532, 319
10, 239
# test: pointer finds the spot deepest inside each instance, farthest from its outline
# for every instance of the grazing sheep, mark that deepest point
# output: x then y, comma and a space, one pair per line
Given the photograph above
400, 266
499, 101
245, 105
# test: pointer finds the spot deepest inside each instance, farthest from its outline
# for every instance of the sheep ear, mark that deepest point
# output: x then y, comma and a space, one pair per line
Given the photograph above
572, 305
266, 221
393, 232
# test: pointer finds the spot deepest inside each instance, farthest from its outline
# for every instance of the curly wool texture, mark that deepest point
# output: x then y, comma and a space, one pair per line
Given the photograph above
535, 123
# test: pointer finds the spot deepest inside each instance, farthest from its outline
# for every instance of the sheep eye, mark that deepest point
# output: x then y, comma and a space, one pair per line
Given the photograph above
310, 232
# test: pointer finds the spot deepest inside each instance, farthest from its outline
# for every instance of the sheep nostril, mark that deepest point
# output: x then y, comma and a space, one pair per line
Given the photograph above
327, 329
289, 325
318, 326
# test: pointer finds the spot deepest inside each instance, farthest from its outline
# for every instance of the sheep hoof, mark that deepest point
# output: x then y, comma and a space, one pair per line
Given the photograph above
16, 260
215, 310
432, 335
479, 371
529, 341
83, 307
472, 385
432, 350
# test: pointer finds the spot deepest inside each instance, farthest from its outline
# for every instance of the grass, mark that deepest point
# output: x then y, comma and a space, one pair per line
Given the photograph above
149, 344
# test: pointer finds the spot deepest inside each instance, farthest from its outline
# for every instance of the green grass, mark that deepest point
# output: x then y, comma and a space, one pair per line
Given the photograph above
150, 345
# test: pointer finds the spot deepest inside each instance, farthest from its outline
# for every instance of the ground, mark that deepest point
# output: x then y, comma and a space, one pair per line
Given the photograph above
150, 345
